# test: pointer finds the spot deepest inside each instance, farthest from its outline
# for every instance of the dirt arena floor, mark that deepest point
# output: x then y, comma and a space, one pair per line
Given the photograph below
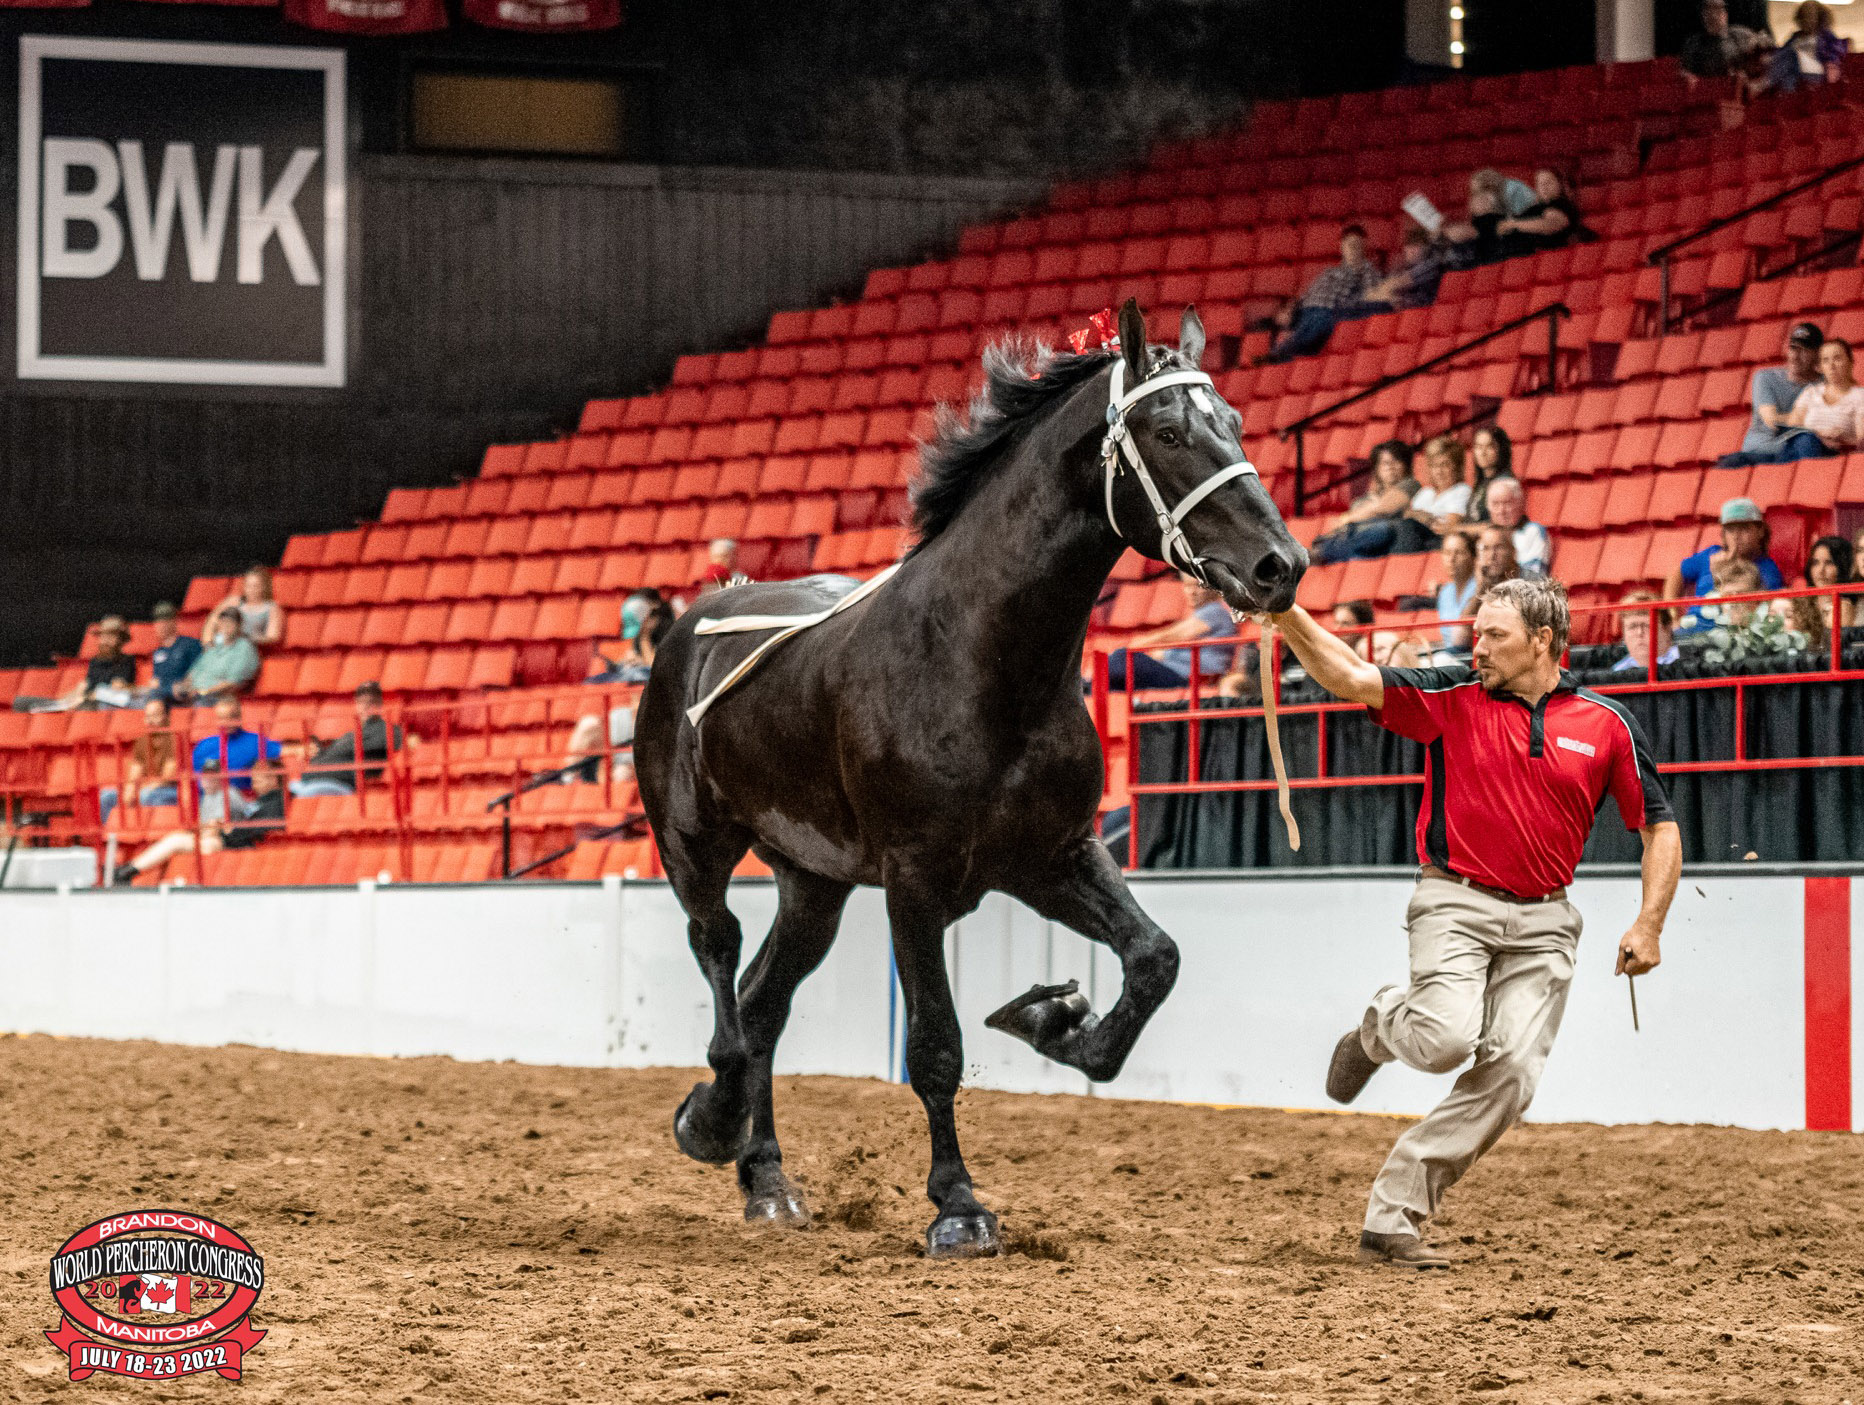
435, 1231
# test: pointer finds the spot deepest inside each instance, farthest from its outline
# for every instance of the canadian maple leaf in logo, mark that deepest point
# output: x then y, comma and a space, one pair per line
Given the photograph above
158, 1292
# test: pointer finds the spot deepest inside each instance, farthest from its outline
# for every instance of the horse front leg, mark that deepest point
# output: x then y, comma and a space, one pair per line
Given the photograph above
808, 915
935, 1064
1086, 892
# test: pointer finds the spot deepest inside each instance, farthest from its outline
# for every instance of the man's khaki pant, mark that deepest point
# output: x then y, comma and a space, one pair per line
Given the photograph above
1487, 977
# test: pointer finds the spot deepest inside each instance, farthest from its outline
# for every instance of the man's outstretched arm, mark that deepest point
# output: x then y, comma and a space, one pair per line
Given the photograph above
1329, 661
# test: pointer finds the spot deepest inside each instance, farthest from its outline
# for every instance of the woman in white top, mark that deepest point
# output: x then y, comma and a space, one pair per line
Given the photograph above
262, 619
1443, 502
1832, 407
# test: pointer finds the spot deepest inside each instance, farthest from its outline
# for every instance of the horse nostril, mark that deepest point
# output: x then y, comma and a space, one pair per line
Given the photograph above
1272, 570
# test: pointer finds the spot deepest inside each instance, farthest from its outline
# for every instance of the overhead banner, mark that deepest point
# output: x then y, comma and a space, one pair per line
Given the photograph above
368, 16
545, 16
182, 212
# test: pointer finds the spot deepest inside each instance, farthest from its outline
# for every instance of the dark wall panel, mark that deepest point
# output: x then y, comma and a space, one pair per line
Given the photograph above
493, 298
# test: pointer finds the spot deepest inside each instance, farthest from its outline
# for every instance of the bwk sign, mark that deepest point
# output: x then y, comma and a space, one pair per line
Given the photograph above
182, 213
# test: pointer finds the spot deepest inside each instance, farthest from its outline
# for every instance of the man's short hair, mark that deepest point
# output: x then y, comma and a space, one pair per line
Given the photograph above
227, 700
1541, 605
230, 612
164, 610
1397, 448
371, 690
1353, 229
1506, 483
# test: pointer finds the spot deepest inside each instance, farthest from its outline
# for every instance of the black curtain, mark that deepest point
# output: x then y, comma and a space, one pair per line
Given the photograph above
1814, 813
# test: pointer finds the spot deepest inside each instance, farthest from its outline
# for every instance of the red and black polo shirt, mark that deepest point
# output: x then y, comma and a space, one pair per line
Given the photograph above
1511, 791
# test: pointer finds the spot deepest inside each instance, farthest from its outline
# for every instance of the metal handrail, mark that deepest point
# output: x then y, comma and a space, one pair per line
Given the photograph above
1553, 312
1660, 256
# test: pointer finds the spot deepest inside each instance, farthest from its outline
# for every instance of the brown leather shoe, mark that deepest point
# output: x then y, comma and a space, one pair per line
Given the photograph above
1400, 1250
1350, 1068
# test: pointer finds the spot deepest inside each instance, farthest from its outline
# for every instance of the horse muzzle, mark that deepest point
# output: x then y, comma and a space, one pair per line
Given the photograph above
1267, 587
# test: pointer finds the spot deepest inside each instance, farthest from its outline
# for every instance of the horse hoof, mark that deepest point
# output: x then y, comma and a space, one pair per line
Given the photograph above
1043, 1015
701, 1147
971, 1236
782, 1208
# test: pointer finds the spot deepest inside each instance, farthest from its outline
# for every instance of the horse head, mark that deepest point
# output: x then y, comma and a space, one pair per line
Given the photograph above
1179, 487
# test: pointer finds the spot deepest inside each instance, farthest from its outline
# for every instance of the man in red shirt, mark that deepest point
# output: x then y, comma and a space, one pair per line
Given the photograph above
1519, 760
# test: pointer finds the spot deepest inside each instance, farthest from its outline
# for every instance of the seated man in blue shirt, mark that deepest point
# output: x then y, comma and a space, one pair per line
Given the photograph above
233, 748
1209, 618
174, 653
1745, 535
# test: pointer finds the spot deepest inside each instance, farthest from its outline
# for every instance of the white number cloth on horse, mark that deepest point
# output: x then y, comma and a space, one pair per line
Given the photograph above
789, 624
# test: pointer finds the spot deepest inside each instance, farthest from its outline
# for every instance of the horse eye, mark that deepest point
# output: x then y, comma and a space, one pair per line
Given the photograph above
1168, 437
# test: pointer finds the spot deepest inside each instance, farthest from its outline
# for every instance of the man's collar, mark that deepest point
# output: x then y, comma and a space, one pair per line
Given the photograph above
1565, 683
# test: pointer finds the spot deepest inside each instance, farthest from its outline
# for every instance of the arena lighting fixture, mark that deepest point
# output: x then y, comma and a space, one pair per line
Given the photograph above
1457, 48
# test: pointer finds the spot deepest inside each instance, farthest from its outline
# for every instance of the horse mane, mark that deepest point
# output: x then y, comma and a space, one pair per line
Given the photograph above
1022, 378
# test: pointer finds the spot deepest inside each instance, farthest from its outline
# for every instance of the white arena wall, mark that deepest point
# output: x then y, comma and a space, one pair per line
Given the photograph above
1748, 1022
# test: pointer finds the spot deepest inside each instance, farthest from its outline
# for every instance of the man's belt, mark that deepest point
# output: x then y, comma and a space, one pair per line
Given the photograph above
1431, 870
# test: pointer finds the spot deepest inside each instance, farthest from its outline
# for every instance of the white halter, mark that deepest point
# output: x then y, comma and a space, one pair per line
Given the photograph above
1174, 546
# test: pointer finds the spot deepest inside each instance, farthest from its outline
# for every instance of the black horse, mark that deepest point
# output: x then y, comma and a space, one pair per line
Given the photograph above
932, 738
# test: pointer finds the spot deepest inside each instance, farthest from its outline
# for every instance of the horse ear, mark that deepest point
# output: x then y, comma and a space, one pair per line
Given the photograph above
1191, 339
1133, 342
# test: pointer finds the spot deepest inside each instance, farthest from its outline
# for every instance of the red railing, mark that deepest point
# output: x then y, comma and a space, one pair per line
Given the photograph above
461, 768
1413, 627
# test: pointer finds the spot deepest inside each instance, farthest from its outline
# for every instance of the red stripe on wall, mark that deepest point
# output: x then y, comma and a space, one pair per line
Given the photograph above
1828, 1004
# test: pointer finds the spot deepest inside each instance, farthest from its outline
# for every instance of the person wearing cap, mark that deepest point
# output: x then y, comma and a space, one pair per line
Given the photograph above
1774, 392
228, 819
174, 653
226, 665
1744, 536
108, 678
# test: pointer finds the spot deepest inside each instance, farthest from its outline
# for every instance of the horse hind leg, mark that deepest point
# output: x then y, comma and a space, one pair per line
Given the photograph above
713, 1124
809, 912
1087, 893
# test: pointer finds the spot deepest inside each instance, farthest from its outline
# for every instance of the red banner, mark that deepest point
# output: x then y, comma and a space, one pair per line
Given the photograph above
88, 1356
545, 16
368, 16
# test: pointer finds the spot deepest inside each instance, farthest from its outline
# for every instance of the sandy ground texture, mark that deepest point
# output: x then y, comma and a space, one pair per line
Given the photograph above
437, 1231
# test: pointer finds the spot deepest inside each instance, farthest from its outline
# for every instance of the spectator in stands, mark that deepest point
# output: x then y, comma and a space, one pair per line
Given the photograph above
332, 768
1811, 55
1491, 454
1441, 504
1734, 576
1414, 282
1830, 563
109, 678
1384, 647
154, 764
1833, 409
585, 750
174, 653
226, 666
1774, 392
1495, 563
1456, 595
1493, 197
1744, 535
1310, 319
229, 819
1533, 548
1857, 556
643, 614
1368, 527
1720, 49
262, 619
232, 748
1634, 629
1552, 222
1206, 617
721, 564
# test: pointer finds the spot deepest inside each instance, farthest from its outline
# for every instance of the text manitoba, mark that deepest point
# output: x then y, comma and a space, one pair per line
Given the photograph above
189, 1256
